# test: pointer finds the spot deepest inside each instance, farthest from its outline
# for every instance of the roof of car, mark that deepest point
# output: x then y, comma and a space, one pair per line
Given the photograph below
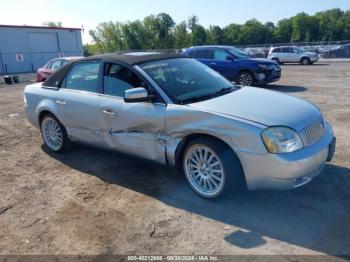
132, 58
283, 46
129, 58
211, 46
69, 58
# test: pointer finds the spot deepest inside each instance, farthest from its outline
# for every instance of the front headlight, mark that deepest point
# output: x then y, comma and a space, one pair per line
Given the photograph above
265, 67
281, 140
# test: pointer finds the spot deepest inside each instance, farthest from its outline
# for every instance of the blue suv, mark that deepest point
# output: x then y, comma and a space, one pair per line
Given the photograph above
236, 65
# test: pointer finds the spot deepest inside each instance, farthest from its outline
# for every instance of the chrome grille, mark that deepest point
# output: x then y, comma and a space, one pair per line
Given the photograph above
313, 132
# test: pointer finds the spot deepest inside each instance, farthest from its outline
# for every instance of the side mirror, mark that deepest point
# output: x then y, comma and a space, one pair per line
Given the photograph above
229, 58
138, 94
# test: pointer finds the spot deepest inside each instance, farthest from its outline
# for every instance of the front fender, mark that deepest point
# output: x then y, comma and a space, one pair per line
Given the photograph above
182, 121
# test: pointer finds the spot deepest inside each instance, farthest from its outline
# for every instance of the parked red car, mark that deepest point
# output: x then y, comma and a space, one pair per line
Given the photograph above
53, 65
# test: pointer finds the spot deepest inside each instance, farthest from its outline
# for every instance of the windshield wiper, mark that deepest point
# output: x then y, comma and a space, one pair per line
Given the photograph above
207, 96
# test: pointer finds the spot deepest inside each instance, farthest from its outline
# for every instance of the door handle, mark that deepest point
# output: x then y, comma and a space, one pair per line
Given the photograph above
213, 63
61, 102
109, 112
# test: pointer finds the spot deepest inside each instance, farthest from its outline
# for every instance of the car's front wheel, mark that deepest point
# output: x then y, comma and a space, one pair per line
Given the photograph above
54, 134
245, 78
211, 169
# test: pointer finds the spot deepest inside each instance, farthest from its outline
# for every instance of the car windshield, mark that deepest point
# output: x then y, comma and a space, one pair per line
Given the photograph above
186, 80
238, 53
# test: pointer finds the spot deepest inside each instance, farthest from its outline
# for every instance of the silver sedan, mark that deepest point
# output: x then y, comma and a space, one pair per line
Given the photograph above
181, 113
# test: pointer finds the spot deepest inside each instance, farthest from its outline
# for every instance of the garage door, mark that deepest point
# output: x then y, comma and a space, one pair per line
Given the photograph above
44, 46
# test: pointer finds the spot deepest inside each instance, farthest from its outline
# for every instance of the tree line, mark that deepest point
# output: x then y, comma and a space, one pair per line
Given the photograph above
161, 32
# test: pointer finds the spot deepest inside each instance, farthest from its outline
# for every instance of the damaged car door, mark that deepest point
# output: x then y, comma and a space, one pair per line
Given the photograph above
136, 127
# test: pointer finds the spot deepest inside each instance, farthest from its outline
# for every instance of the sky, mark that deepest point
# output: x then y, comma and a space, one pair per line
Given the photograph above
89, 13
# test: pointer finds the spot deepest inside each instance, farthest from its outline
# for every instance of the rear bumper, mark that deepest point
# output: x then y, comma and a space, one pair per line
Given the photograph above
315, 59
288, 171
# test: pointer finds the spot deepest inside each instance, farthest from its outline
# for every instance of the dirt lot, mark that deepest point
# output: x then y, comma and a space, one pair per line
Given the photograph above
94, 202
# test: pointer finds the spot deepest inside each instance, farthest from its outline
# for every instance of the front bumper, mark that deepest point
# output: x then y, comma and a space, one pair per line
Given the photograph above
268, 76
291, 170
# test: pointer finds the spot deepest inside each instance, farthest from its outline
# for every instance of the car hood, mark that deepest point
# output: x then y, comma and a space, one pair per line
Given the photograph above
263, 60
269, 108
259, 60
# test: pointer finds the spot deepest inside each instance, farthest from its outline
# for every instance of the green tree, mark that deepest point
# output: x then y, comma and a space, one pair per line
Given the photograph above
215, 35
90, 49
108, 37
159, 30
253, 32
231, 34
52, 24
304, 28
343, 26
198, 34
269, 32
283, 31
330, 25
181, 36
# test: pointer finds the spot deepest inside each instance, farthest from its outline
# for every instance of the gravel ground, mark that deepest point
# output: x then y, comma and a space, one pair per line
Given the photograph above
94, 202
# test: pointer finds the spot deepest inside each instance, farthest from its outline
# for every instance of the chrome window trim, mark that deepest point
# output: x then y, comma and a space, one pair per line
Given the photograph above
50, 87
154, 84
107, 96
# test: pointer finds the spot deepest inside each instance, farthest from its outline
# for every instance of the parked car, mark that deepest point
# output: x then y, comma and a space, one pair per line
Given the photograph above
342, 51
236, 65
181, 113
292, 54
53, 65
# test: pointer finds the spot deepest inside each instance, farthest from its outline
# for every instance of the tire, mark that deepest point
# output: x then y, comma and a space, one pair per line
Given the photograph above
221, 174
54, 134
245, 78
305, 61
275, 59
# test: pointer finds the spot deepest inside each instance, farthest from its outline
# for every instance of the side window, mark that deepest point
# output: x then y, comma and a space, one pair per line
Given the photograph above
220, 55
118, 78
204, 54
83, 76
55, 65
48, 65
285, 50
277, 50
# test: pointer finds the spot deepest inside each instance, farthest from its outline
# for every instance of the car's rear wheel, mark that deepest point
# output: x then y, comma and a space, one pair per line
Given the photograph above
211, 169
54, 134
305, 61
245, 78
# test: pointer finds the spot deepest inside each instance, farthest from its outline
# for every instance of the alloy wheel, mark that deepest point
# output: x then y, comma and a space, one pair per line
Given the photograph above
52, 133
245, 79
204, 171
